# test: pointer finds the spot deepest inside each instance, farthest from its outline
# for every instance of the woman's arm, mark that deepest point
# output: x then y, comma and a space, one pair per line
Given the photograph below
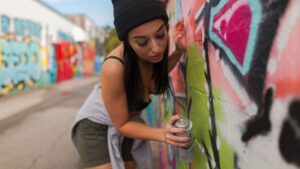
115, 100
173, 59
180, 44
168, 135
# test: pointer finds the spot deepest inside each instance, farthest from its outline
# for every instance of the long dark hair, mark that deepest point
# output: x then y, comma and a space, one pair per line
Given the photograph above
134, 86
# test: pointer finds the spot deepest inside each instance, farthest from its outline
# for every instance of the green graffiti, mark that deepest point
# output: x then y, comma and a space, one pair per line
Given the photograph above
199, 112
200, 115
227, 154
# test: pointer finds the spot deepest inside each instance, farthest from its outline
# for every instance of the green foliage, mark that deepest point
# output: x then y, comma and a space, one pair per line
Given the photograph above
111, 41
107, 28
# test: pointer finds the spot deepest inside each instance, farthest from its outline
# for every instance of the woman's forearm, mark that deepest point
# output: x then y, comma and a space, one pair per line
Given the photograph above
139, 130
173, 59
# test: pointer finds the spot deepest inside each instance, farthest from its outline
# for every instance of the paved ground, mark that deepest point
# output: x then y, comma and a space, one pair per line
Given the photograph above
16, 105
35, 126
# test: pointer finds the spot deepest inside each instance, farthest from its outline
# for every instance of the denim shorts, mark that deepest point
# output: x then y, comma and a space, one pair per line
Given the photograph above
92, 146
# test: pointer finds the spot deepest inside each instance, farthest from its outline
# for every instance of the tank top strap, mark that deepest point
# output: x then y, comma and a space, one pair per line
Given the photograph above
114, 57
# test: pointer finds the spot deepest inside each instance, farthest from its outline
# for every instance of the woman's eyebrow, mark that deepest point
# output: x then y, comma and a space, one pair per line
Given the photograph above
140, 37
160, 28
145, 37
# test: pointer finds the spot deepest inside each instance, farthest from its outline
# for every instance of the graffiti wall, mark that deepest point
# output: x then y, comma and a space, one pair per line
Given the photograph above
20, 54
26, 63
238, 82
44, 49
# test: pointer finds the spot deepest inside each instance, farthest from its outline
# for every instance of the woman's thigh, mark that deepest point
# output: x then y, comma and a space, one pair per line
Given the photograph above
126, 153
91, 144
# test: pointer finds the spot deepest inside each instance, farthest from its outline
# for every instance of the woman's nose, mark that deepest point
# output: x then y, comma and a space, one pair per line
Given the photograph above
155, 47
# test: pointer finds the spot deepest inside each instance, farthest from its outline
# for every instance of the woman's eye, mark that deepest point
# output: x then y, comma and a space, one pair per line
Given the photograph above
160, 36
142, 44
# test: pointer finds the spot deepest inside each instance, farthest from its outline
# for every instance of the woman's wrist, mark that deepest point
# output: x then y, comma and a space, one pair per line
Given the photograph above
179, 50
163, 135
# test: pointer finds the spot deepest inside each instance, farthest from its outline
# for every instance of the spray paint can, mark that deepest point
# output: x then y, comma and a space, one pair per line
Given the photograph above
185, 154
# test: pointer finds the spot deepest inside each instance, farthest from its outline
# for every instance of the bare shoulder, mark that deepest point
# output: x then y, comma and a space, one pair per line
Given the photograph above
112, 82
113, 69
114, 65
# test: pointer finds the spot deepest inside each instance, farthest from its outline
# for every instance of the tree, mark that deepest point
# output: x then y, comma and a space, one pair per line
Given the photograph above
111, 41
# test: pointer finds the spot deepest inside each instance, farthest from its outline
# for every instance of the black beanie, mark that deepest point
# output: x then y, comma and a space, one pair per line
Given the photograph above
131, 13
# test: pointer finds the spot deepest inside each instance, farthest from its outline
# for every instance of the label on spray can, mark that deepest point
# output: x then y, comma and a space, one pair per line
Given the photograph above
186, 124
185, 154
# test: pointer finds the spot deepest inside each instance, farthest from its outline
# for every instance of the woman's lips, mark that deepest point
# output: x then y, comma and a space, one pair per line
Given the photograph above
156, 57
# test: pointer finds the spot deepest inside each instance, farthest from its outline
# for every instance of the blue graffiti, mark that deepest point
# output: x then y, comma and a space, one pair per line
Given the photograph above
22, 27
64, 36
27, 28
20, 62
5, 22
53, 65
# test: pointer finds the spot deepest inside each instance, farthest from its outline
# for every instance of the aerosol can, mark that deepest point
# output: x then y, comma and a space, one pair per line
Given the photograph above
185, 154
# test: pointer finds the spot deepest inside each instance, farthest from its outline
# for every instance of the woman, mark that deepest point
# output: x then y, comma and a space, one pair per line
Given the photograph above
108, 131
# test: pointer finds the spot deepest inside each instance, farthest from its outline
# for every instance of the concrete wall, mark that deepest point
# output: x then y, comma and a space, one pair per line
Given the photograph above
239, 83
30, 32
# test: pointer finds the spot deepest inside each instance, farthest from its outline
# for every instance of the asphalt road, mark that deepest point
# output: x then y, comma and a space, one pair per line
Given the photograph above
40, 138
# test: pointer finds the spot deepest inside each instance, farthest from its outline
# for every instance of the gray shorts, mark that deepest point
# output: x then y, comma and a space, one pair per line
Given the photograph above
92, 144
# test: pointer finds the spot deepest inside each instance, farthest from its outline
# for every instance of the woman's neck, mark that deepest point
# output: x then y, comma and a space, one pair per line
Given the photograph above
146, 72
146, 68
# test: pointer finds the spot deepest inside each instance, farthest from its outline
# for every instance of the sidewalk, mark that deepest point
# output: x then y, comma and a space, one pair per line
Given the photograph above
12, 106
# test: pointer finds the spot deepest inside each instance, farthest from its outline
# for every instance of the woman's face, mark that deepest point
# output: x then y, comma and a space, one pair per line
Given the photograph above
149, 40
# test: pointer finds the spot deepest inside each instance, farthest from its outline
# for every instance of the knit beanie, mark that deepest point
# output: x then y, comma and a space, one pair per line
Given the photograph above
131, 13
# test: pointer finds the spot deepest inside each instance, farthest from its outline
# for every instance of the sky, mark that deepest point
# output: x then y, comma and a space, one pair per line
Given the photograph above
99, 11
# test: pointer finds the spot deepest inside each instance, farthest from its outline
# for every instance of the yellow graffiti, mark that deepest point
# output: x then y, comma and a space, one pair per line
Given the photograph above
5, 90
44, 58
30, 83
20, 86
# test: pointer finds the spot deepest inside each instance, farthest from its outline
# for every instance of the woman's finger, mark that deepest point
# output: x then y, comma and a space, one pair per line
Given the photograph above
173, 119
182, 145
178, 139
174, 130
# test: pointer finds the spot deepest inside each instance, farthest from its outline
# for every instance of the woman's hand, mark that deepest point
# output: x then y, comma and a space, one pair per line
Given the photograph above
170, 134
179, 36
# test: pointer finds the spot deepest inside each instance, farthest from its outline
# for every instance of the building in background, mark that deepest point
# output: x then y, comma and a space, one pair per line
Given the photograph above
95, 37
40, 46
94, 32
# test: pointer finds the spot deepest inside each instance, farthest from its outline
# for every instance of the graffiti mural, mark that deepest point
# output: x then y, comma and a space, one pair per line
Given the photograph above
238, 82
20, 55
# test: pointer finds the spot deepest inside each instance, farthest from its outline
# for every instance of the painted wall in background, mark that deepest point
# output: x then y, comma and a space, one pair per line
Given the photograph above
238, 83
35, 51
20, 54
